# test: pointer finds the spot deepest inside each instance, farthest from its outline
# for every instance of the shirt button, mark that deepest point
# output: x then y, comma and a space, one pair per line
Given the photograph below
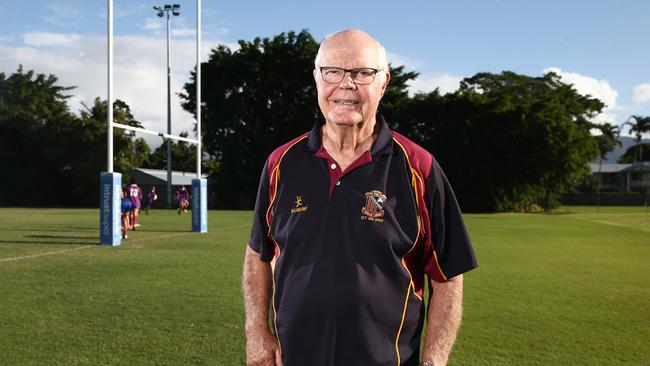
338, 182
333, 166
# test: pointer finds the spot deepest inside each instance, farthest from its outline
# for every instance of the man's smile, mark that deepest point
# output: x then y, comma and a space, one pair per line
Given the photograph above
345, 101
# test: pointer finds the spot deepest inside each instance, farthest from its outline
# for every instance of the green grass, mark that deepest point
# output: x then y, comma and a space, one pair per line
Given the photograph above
566, 288
166, 296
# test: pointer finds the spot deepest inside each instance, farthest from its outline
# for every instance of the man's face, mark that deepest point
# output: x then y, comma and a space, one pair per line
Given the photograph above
346, 103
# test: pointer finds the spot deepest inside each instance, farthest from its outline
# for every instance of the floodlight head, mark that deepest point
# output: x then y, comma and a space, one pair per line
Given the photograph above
160, 11
176, 10
168, 7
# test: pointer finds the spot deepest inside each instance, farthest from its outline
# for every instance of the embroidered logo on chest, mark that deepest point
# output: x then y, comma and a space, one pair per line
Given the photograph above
299, 206
374, 208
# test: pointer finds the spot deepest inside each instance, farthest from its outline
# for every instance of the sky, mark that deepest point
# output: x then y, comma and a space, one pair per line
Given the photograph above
599, 46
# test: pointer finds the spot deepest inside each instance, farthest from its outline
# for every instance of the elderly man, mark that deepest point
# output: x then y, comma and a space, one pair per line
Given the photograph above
349, 218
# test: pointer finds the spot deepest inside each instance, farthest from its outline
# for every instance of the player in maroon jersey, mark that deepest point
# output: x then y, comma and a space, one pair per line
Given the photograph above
135, 194
152, 196
182, 199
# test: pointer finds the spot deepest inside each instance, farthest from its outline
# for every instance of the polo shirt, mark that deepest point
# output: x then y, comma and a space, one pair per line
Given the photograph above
350, 249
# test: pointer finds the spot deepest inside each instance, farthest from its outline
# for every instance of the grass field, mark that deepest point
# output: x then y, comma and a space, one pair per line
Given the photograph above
570, 288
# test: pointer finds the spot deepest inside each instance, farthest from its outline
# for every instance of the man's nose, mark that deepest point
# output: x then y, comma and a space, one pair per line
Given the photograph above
347, 82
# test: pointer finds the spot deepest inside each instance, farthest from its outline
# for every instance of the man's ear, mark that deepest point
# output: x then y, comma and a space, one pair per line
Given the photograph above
385, 85
315, 73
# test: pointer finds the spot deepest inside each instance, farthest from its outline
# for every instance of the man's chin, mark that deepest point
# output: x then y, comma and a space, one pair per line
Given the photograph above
344, 120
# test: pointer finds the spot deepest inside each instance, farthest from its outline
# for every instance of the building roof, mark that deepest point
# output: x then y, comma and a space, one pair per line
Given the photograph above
642, 166
619, 168
607, 168
159, 177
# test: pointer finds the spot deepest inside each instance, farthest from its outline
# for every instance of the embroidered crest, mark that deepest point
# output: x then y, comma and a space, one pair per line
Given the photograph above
299, 206
374, 204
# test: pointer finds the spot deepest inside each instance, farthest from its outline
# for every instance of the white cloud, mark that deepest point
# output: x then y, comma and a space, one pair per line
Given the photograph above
409, 63
139, 72
63, 14
445, 83
216, 30
64, 9
48, 39
184, 32
124, 10
58, 21
642, 93
424, 82
599, 89
153, 24
157, 27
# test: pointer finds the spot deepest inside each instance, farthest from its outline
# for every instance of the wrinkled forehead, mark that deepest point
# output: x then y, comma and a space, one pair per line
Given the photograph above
350, 57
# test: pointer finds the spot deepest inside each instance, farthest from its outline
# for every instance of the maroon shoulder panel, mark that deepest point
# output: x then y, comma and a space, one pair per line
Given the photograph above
422, 257
273, 170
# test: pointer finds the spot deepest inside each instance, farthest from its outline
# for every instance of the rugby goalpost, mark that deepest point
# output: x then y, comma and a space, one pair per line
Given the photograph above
110, 224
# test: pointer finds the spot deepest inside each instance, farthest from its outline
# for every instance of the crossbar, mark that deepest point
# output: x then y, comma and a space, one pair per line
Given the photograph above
155, 133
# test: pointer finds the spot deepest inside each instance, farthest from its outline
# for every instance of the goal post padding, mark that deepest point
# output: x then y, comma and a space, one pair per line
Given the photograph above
110, 201
199, 205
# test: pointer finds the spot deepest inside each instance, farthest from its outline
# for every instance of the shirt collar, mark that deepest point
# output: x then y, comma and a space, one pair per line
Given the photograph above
382, 145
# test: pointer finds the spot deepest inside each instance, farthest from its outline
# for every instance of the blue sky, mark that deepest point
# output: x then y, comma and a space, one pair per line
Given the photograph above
600, 46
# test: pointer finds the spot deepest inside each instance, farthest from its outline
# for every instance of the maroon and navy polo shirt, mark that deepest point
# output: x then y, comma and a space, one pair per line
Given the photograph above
350, 249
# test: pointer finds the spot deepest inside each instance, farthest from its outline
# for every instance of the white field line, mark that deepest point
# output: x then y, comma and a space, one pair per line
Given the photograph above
97, 246
44, 254
617, 224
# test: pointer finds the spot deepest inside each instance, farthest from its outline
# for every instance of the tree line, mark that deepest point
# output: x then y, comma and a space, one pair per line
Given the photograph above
53, 157
506, 141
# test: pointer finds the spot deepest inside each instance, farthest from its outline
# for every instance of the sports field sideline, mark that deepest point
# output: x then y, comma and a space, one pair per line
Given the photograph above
570, 288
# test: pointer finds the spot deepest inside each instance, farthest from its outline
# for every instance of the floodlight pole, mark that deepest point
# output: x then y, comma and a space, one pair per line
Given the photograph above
174, 9
169, 124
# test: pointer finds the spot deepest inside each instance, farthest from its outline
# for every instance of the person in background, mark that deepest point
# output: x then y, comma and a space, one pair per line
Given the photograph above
126, 212
151, 196
135, 194
182, 199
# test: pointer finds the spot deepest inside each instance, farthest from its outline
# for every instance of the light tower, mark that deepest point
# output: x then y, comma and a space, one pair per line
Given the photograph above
175, 11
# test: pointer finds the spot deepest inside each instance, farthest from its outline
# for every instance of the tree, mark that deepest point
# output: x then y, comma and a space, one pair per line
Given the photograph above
183, 157
636, 153
607, 141
65, 153
35, 126
508, 141
129, 152
638, 126
396, 100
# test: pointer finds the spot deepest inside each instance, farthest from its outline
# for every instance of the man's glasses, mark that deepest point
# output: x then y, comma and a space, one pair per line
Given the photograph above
360, 76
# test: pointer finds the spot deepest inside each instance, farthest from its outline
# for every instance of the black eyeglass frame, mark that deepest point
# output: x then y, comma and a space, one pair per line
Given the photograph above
353, 73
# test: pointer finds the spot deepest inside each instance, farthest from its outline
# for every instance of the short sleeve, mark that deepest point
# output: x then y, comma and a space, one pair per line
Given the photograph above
452, 252
259, 240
